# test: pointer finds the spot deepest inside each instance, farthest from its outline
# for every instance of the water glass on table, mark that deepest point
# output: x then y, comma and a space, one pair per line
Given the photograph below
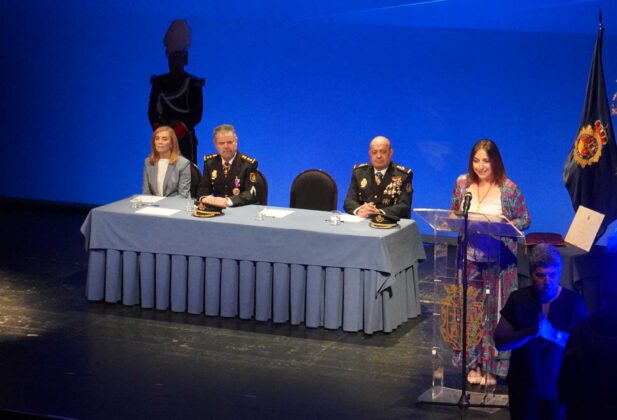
190, 204
136, 202
335, 218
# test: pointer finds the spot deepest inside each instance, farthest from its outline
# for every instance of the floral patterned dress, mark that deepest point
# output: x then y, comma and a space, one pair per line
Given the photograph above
502, 280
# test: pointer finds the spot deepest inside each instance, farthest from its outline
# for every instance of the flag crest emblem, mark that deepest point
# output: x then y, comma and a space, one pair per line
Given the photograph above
588, 144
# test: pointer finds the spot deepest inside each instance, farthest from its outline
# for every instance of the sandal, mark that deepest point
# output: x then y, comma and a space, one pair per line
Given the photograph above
488, 380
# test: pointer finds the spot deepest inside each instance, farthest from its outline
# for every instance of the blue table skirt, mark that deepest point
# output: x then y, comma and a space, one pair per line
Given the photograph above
349, 298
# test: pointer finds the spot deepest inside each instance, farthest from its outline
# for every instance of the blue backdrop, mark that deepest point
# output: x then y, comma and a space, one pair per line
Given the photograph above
306, 85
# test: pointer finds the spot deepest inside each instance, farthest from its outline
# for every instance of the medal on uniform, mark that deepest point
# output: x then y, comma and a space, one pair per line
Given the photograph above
236, 183
235, 191
397, 183
213, 175
363, 183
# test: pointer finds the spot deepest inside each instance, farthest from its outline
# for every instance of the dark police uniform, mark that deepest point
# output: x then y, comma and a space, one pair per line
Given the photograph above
392, 196
240, 184
178, 102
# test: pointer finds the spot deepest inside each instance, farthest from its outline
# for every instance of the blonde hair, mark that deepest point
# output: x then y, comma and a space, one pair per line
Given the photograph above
175, 149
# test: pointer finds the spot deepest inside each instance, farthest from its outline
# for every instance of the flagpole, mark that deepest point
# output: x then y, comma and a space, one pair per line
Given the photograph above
590, 170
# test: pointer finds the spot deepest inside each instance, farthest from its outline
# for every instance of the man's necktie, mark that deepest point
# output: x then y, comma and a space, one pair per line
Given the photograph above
378, 177
226, 167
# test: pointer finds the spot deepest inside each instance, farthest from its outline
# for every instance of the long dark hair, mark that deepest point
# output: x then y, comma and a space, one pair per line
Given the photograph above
492, 151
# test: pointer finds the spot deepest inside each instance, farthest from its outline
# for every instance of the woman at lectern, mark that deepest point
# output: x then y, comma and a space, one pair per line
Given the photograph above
166, 172
491, 264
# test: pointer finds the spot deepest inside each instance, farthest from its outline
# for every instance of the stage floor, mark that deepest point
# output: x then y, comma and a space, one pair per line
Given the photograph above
63, 356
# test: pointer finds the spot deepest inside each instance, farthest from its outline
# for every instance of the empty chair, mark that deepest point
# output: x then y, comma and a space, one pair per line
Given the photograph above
262, 189
313, 189
195, 178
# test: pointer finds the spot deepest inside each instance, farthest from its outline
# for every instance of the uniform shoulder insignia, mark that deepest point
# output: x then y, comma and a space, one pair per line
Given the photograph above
247, 158
402, 168
154, 78
210, 156
197, 81
360, 165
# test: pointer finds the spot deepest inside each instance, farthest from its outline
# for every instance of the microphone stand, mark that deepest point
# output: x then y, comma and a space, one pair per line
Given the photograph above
463, 402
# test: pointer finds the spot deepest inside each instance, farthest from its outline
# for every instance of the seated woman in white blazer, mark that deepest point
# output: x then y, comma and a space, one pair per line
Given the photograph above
166, 172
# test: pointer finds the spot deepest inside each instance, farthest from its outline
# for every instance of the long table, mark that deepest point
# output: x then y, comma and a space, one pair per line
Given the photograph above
297, 269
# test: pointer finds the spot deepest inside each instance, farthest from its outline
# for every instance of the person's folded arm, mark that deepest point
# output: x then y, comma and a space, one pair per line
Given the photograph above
508, 338
550, 333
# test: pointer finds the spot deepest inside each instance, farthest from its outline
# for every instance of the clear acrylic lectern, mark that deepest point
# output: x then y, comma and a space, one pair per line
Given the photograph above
485, 247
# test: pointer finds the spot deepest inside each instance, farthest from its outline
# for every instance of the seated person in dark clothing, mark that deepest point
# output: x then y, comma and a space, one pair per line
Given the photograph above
381, 186
230, 177
535, 324
588, 377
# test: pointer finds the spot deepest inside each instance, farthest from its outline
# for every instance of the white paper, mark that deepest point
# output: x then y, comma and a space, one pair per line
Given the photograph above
278, 213
584, 228
147, 198
157, 211
350, 218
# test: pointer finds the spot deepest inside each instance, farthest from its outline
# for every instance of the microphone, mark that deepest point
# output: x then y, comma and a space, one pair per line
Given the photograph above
466, 202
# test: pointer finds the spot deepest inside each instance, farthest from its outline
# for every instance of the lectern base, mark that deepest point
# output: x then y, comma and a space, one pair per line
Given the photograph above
489, 403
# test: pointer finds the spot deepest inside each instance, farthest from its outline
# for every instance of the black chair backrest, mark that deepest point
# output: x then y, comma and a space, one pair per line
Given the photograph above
262, 189
313, 189
195, 178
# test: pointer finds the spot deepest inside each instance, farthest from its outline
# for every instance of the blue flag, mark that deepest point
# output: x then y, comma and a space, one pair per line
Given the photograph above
590, 172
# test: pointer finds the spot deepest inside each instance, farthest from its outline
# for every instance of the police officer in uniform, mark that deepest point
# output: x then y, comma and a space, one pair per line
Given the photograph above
230, 177
380, 186
176, 98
